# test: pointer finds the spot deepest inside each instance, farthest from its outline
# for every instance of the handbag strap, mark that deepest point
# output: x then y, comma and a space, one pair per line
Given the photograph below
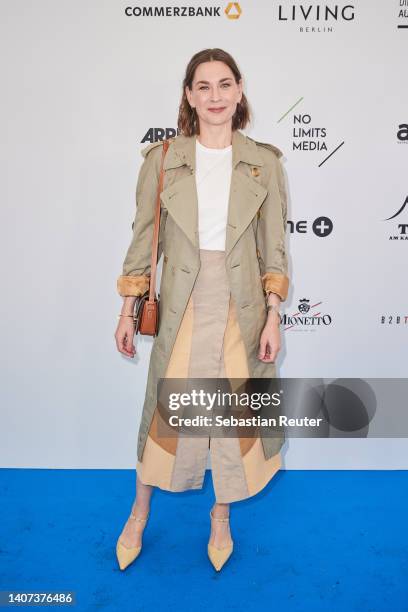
155, 244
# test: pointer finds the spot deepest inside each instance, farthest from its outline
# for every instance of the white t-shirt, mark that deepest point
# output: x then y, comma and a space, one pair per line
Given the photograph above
213, 180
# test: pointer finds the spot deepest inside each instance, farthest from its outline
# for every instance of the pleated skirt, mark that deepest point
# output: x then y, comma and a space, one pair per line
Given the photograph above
208, 345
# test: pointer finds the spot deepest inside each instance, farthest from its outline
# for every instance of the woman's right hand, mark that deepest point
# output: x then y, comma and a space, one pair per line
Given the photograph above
124, 336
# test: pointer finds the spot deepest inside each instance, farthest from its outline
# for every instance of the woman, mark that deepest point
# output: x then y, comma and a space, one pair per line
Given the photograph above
222, 233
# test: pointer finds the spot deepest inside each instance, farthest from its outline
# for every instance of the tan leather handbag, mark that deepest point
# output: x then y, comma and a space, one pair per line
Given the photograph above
146, 312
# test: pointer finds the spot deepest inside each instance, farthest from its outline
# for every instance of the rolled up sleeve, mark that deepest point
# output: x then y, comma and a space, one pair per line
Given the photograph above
271, 235
135, 277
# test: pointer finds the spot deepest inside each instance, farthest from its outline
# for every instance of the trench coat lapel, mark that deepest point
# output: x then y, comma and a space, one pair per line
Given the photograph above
246, 194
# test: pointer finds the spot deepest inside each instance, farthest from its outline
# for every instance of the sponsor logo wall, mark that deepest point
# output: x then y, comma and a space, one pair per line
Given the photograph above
86, 87
318, 84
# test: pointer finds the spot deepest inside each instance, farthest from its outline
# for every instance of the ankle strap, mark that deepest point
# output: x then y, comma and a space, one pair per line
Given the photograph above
221, 520
139, 520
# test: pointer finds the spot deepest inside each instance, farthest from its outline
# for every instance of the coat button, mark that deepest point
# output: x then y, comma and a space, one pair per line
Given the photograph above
258, 213
255, 171
258, 254
166, 259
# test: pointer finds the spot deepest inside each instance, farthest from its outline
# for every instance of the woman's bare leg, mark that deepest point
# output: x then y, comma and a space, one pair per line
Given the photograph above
132, 532
220, 531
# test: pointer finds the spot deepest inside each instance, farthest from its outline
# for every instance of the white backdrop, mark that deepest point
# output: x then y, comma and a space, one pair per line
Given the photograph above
82, 84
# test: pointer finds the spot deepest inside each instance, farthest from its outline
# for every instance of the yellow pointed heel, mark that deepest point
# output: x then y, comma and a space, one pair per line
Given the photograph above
218, 556
126, 555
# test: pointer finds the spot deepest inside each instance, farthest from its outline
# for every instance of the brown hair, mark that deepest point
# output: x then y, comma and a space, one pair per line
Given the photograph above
188, 121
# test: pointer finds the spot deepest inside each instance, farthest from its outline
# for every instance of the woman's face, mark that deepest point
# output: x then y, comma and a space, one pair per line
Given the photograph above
213, 88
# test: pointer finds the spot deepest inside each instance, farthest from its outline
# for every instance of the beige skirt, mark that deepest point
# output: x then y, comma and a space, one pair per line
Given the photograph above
208, 345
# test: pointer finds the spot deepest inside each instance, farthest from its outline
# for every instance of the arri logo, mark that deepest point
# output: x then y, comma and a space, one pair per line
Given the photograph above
308, 317
156, 134
402, 228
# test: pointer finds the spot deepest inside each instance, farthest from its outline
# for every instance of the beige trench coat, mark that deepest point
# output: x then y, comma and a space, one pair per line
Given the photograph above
255, 251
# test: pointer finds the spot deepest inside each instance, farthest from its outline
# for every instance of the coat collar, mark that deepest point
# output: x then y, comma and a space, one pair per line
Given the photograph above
184, 148
246, 193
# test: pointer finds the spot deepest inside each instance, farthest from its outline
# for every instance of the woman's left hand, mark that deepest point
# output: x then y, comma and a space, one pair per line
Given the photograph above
270, 342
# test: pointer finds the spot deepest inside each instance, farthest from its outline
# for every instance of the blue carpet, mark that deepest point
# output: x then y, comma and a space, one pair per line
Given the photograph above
311, 540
